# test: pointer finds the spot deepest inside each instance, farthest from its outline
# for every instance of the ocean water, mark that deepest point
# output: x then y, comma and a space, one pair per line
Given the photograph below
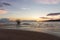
46, 27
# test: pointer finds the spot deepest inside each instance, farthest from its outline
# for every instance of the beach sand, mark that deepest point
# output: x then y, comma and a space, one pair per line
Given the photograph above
12, 34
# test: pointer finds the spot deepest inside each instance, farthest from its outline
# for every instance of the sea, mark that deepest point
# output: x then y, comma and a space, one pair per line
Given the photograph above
46, 27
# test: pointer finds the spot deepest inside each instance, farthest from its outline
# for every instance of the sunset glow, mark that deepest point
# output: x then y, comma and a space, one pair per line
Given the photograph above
3, 11
28, 9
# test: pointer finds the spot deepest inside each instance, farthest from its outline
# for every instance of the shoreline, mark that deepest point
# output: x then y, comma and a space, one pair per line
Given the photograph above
11, 34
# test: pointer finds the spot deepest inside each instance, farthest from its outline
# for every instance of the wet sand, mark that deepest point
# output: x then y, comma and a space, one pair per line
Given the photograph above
11, 34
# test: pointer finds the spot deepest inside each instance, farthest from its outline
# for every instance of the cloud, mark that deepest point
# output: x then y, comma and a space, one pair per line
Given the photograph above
25, 8
3, 11
53, 14
7, 4
3, 4
47, 1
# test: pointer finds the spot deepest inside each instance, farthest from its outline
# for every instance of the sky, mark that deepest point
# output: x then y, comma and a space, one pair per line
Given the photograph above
28, 9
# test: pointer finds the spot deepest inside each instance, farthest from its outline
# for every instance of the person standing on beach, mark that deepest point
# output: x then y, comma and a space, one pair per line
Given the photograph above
18, 22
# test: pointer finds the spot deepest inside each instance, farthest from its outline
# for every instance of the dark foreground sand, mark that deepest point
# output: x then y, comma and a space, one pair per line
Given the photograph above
10, 34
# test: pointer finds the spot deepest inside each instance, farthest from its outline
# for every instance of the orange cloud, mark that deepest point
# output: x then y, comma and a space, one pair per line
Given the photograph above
3, 11
47, 1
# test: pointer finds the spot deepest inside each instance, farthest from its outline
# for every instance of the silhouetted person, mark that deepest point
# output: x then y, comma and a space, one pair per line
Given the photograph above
18, 22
